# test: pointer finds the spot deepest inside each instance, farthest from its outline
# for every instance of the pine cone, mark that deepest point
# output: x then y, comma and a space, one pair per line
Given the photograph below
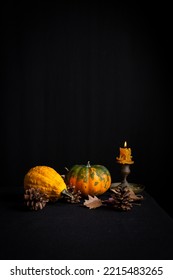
75, 196
34, 199
120, 199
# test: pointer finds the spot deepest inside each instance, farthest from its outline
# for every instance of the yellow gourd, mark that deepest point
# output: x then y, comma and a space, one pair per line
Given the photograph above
47, 180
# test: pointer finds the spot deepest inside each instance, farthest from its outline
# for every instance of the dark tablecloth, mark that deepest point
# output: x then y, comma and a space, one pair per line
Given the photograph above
71, 231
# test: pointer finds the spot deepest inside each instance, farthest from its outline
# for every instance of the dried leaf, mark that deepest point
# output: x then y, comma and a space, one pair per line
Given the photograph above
110, 201
92, 202
134, 197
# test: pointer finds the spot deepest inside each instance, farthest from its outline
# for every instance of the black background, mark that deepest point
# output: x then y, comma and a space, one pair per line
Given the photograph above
79, 79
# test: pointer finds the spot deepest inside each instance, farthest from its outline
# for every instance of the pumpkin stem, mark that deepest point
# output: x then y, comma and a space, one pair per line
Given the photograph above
88, 164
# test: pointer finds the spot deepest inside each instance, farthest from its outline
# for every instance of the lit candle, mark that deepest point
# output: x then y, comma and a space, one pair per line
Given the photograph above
125, 155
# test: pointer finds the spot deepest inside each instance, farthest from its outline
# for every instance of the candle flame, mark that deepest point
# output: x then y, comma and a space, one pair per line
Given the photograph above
125, 144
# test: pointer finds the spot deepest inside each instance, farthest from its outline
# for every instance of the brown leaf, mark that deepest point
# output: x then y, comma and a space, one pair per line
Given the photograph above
133, 196
92, 202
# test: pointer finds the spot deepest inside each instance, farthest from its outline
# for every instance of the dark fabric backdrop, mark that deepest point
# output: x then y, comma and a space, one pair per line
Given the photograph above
78, 79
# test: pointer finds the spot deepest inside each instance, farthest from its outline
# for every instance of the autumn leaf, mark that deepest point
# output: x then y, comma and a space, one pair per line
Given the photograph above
92, 202
135, 197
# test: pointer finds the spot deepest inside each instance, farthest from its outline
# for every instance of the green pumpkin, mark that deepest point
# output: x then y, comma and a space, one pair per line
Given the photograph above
89, 179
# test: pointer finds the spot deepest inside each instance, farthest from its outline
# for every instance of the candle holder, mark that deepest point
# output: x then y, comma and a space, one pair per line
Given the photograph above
125, 171
125, 159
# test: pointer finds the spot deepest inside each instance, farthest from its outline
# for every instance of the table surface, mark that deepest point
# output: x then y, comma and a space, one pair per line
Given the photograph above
67, 231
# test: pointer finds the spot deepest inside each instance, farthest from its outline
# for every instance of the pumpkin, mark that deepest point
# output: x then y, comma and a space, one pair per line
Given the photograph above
47, 180
89, 179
